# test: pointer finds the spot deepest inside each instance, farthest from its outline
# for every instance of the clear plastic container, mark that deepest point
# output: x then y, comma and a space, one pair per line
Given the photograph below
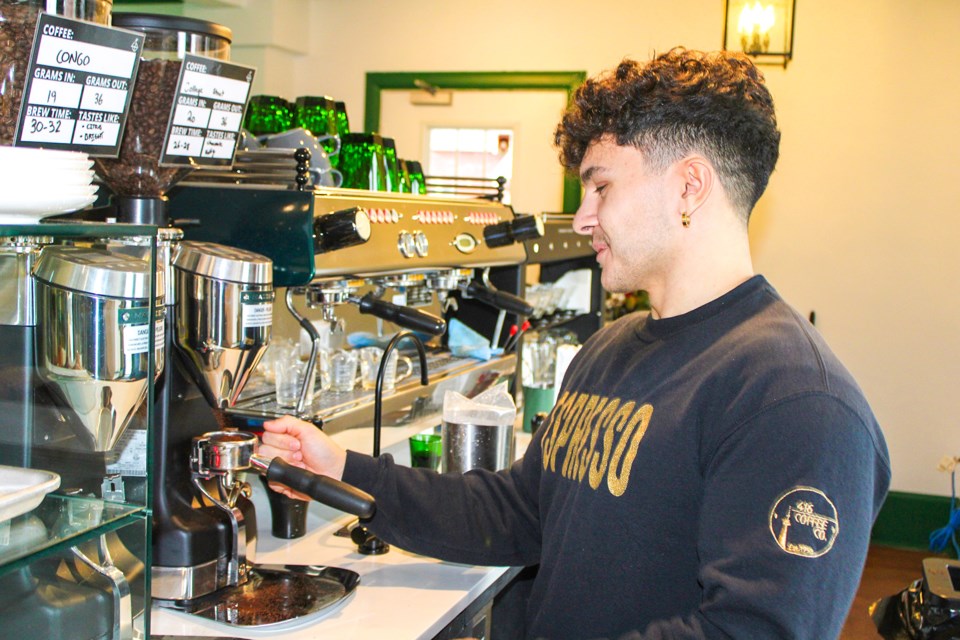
136, 172
18, 23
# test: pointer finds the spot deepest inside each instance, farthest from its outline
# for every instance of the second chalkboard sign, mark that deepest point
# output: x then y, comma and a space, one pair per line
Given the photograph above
207, 113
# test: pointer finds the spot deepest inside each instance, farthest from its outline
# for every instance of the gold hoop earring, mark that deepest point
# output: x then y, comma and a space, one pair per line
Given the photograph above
685, 219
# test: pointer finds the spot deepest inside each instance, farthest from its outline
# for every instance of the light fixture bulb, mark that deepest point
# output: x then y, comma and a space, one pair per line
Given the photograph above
754, 27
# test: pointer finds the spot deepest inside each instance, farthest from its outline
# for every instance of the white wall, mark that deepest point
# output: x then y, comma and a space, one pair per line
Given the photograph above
860, 218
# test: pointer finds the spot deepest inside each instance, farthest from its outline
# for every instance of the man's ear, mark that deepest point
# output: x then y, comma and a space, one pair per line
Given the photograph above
699, 179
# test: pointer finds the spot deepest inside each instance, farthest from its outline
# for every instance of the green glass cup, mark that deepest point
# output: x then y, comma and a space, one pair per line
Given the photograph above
536, 400
392, 165
343, 127
362, 162
404, 176
318, 115
426, 450
268, 114
415, 171
343, 122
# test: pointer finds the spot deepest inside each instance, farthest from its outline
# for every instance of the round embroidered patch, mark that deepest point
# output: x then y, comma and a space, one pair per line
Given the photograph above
804, 522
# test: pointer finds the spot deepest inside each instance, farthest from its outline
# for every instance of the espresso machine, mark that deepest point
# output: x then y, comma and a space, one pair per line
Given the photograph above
427, 260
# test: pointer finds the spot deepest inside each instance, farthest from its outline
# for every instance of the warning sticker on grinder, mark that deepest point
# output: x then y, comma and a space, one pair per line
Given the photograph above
135, 330
257, 308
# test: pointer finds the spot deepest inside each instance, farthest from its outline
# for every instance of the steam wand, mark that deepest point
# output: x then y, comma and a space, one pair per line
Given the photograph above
367, 542
378, 394
314, 348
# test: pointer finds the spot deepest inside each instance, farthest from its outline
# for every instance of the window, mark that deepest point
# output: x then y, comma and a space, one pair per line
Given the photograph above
471, 153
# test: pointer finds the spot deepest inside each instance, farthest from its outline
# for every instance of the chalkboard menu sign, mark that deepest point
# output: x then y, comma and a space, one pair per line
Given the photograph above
207, 112
78, 86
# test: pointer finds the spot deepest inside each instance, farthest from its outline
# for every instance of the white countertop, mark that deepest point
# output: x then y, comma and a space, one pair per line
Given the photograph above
400, 595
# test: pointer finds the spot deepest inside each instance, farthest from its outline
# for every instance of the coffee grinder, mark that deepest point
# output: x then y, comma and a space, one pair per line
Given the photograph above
203, 521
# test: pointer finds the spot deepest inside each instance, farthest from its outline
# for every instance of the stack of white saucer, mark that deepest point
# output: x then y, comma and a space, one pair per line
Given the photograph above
36, 183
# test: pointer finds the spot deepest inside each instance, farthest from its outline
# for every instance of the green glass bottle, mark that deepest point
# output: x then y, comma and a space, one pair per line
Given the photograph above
391, 165
417, 184
268, 114
362, 162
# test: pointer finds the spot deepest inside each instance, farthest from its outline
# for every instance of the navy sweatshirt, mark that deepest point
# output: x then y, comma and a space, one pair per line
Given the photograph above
709, 475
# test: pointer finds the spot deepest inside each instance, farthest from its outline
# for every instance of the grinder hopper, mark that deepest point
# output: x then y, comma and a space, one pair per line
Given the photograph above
224, 313
94, 342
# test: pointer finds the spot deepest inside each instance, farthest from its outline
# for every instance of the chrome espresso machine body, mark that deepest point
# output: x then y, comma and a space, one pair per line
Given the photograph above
463, 257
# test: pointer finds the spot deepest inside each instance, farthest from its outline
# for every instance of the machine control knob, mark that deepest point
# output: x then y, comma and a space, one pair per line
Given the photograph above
406, 244
421, 243
524, 227
341, 229
465, 243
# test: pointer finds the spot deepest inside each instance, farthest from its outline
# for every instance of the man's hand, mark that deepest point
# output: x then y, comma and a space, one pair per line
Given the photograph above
303, 445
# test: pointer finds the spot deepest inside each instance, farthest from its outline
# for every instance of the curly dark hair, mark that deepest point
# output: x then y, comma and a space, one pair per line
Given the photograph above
680, 102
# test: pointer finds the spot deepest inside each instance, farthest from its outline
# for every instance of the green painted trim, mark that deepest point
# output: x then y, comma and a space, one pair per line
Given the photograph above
485, 80
907, 519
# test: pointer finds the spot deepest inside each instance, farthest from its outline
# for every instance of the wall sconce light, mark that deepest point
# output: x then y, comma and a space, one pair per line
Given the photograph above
762, 29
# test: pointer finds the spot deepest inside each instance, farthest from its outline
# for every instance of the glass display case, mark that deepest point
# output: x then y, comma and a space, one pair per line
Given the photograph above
81, 336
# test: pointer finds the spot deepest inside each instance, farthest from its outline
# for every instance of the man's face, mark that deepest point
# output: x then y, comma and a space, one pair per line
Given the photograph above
631, 214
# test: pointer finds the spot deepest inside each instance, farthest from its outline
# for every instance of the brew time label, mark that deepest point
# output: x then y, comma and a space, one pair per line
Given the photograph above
78, 86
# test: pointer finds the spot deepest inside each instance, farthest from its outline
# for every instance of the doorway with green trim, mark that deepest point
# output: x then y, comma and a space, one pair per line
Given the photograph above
527, 103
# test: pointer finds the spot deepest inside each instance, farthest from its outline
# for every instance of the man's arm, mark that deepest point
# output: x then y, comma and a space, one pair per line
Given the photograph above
479, 517
790, 499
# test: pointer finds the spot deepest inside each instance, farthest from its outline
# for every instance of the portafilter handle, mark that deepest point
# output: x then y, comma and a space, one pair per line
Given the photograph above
225, 453
523, 227
403, 316
498, 299
323, 489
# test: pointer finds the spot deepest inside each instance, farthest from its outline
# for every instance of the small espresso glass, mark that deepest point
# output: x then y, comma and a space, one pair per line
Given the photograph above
289, 381
370, 358
426, 450
342, 369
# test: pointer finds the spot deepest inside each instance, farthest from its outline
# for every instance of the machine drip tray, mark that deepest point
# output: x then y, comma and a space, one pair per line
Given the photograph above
276, 595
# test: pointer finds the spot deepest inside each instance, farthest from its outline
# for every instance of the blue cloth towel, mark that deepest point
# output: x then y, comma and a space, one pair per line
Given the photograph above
464, 342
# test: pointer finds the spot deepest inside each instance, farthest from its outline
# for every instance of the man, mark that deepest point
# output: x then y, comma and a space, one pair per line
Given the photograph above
709, 471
